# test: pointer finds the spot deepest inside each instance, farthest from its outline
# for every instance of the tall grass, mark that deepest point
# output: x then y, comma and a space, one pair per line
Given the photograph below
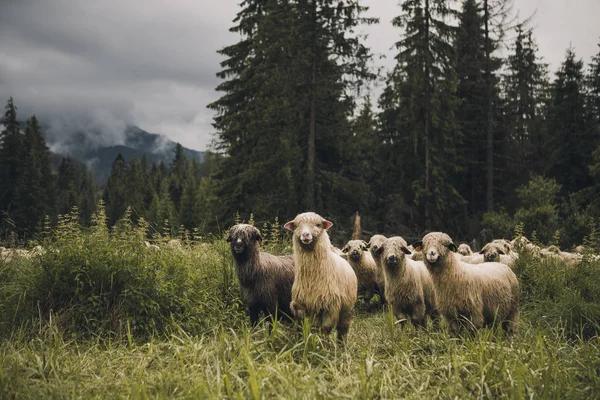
102, 315
97, 282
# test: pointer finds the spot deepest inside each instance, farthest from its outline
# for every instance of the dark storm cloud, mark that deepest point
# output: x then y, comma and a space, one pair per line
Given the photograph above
108, 63
111, 63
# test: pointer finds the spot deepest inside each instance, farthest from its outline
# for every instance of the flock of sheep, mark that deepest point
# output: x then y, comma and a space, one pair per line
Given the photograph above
433, 277
8, 254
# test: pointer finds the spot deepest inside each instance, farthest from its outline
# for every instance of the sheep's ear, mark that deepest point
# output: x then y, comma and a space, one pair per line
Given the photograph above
345, 249
365, 245
327, 224
229, 237
418, 245
500, 252
379, 251
481, 252
290, 226
257, 236
452, 247
406, 250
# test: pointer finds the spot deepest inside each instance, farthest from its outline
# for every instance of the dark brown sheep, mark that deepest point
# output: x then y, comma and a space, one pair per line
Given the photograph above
265, 280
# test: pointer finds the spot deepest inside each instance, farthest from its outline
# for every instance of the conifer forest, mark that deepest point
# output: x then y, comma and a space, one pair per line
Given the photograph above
129, 286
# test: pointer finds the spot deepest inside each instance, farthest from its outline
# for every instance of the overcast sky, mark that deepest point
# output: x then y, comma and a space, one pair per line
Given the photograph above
153, 62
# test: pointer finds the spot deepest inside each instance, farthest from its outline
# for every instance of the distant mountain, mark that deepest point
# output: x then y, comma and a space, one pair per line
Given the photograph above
133, 142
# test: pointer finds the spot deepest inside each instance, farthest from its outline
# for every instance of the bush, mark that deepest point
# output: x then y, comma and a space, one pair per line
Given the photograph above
560, 295
99, 282
538, 211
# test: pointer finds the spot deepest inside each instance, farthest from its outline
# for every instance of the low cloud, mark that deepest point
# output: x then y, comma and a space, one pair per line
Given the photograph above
102, 65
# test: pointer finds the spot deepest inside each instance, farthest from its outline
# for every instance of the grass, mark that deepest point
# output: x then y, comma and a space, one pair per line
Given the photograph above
280, 363
102, 316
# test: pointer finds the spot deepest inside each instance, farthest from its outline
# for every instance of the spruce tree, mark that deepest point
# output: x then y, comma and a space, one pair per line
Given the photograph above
571, 144
178, 176
34, 191
294, 116
593, 95
426, 75
496, 18
11, 158
471, 112
524, 84
135, 189
115, 191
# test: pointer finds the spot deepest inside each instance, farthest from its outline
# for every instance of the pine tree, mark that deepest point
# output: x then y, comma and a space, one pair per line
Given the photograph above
34, 191
524, 84
496, 14
472, 95
11, 158
135, 189
177, 177
115, 191
303, 103
571, 144
88, 203
593, 97
425, 74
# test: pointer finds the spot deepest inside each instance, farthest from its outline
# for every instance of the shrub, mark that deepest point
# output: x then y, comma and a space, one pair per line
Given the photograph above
99, 282
559, 295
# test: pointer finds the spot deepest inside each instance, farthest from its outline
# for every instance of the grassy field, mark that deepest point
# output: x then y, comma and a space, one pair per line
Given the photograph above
102, 316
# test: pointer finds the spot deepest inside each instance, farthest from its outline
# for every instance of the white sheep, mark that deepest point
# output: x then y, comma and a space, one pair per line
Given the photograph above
325, 285
369, 275
408, 285
464, 249
480, 294
374, 244
497, 251
554, 252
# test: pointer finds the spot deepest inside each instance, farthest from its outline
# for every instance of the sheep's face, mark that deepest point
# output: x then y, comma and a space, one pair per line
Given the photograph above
242, 237
503, 245
375, 243
354, 249
464, 249
435, 246
491, 252
307, 228
393, 251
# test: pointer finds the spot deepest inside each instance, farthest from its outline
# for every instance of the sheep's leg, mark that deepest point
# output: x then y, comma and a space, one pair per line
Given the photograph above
477, 320
435, 318
400, 316
368, 297
253, 313
346, 316
298, 310
329, 321
510, 325
382, 300
418, 316
455, 325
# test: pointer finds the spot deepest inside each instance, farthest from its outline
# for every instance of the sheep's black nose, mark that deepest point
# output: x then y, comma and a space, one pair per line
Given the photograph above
392, 259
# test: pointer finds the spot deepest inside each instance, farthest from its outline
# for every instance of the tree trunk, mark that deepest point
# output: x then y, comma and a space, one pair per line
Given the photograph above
309, 200
427, 124
489, 116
